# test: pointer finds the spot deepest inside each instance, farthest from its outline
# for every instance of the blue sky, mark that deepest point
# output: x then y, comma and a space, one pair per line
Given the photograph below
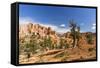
58, 17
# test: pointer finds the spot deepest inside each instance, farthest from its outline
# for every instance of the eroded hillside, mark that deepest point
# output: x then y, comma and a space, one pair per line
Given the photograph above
40, 44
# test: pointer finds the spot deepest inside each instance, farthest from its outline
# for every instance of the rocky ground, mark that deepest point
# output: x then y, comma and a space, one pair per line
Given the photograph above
60, 55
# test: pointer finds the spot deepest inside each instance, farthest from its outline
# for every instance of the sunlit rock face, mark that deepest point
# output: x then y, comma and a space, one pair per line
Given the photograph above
27, 30
38, 30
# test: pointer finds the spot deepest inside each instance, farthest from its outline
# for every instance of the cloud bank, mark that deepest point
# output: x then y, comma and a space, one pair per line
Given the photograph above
93, 26
61, 29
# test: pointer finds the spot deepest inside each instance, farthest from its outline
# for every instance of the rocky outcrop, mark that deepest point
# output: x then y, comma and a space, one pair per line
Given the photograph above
41, 32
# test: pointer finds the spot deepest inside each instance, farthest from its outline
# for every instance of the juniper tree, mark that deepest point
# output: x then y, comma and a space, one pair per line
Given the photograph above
78, 35
73, 32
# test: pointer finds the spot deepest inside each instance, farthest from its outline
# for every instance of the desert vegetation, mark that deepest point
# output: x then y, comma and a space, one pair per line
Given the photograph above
39, 44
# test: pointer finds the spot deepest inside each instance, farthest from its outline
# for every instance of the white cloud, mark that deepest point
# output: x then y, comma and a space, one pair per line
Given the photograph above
93, 27
62, 30
56, 28
94, 24
26, 20
62, 25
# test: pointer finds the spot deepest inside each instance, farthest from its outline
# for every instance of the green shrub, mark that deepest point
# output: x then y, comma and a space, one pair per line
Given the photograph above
90, 39
90, 49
